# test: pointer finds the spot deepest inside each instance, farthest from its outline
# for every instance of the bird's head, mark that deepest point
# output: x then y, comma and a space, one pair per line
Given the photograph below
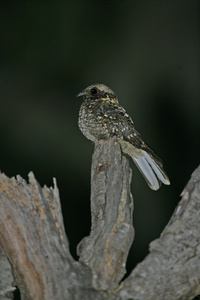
99, 91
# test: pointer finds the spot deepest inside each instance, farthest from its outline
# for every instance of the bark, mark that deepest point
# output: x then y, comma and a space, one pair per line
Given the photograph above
34, 253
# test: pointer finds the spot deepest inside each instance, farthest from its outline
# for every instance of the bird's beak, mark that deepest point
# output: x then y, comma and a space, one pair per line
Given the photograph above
80, 94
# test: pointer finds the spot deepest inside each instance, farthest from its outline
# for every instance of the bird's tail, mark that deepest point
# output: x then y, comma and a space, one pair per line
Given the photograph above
151, 168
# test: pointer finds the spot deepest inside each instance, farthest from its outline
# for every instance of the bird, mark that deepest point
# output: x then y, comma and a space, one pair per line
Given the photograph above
102, 117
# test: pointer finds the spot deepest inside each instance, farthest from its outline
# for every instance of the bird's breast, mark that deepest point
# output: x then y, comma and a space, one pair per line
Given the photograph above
91, 121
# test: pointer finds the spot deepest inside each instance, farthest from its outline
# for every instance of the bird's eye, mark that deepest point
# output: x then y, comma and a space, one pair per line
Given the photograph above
94, 91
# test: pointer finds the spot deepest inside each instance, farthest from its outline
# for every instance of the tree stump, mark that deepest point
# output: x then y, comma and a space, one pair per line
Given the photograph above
34, 249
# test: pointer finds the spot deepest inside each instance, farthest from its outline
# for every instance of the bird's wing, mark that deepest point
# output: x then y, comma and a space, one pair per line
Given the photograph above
149, 164
121, 124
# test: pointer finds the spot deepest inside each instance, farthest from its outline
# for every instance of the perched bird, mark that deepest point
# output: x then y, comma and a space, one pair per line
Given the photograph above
102, 117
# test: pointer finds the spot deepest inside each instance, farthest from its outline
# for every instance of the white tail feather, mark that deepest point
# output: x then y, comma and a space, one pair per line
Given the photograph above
151, 171
157, 169
148, 163
147, 172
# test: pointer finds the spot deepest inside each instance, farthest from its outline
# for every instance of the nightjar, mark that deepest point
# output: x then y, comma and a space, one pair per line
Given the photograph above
102, 117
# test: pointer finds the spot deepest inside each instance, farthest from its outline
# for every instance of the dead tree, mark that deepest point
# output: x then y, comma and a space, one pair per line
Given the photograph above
34, 250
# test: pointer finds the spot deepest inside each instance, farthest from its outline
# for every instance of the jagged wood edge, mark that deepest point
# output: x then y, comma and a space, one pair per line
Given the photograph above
33, 239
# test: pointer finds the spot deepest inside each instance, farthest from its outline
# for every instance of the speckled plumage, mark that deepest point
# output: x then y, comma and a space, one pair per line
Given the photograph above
101, 117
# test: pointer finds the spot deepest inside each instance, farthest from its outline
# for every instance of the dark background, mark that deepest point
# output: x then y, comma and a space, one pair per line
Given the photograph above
146, 51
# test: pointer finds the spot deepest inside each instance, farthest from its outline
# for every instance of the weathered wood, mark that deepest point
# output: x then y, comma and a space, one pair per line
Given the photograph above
33, 240
105, 250
172, 269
